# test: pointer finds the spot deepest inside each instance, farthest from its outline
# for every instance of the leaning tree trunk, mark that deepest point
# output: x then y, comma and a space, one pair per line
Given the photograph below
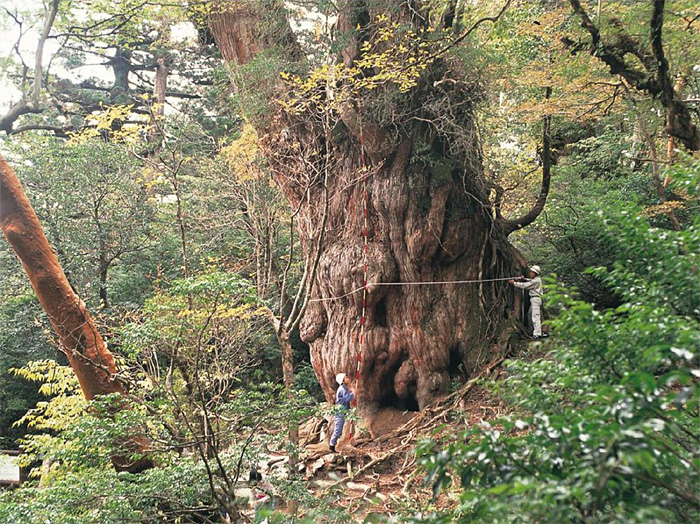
430, 220
78, 336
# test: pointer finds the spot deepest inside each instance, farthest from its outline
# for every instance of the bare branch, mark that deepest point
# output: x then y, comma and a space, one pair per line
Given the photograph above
32, 105
15, 47
61, 132
48, 23
469, 31
141, 90
513, 225
654, 79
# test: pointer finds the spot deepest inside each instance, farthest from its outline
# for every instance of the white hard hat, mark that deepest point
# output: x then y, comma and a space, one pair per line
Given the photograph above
339, 378
536, 270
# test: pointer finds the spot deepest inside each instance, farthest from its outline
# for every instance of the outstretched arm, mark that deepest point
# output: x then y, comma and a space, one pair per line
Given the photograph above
528, 284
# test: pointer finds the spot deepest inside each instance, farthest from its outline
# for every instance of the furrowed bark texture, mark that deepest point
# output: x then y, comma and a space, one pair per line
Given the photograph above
78, 336
423, 227
429, 220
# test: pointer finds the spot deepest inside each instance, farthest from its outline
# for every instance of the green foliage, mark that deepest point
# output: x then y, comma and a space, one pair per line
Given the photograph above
257, 97
594, 176
79, 485
98, 495
604, 425
22, 338
60, 384
683, 178
601, 155
91, 198
536, 45
570, 237
206, 314
305, 378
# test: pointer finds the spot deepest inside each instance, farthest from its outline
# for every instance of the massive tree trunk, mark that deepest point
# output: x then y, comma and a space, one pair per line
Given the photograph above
426, 224
78, 336
430, 220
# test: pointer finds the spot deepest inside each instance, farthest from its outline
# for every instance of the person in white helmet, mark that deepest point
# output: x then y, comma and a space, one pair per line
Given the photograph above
343, 397
535, 290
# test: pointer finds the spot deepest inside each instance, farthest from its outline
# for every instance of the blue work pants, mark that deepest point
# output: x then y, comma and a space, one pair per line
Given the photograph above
338, 423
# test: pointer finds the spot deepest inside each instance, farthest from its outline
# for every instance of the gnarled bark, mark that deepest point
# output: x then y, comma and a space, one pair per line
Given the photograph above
424, 227
430, 220
77, 334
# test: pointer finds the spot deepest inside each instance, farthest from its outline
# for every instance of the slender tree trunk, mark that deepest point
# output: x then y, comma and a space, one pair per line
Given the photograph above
671, 142
103, 258
160, 86
287, 366
180, 217
288, 376
656, 174
78, 336
104, 269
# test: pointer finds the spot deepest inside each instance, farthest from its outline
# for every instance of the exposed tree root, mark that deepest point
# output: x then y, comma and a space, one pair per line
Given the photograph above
428, 417
407, 433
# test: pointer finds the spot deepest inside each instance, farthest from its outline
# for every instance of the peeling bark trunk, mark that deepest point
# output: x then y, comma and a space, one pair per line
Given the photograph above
429, 221
78, 336
237, 31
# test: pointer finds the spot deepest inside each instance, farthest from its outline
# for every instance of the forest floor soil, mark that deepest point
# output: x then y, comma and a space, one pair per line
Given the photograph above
379, 474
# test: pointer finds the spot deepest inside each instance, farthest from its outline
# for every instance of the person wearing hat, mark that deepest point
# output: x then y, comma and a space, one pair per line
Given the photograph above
534, 287
343, 397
